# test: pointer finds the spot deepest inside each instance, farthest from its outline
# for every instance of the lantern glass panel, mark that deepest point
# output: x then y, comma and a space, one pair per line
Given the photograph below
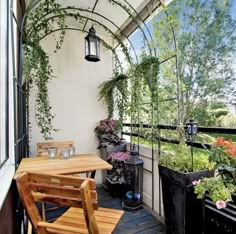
93, 50
189, 128
195, 129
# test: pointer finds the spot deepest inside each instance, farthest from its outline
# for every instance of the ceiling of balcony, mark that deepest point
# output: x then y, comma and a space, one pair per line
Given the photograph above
115, 15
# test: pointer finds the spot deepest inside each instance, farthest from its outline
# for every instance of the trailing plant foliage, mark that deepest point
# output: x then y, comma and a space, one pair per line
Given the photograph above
37, 69
144, 78
149, 69
114, 93
36, 59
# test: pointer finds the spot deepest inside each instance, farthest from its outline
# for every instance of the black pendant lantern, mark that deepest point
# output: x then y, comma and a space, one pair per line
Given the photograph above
92, 46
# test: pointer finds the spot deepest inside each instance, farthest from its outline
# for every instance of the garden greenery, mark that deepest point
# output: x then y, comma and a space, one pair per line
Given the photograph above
181, 160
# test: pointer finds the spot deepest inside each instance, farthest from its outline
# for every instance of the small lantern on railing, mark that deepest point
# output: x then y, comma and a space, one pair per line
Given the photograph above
191, 130
92, 46
134, 181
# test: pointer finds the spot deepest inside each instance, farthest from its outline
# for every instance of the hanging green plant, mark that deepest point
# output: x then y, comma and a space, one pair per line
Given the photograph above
114, 93
149, 69
37, 69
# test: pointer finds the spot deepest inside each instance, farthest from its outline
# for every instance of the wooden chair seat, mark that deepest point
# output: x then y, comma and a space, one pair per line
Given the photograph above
78, 193
106, 220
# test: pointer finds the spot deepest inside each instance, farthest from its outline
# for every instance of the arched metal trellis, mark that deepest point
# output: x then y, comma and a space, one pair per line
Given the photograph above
21, 127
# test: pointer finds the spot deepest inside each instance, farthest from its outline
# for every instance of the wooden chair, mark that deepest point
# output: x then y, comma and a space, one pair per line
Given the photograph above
79, 194
42, 147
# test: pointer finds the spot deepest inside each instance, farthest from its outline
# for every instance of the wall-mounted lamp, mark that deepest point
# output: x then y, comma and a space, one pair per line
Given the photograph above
92, 46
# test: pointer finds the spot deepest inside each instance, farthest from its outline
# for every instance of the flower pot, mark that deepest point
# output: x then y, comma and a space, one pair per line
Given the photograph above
220, 221
184, 213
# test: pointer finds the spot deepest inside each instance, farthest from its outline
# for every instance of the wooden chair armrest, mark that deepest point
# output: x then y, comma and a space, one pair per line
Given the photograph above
61, 227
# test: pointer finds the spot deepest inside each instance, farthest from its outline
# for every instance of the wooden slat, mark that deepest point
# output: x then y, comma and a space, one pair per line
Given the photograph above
74, 181
42, 147
106, 219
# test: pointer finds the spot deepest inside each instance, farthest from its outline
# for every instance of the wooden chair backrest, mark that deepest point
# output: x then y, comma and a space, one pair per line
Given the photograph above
63, 190
42, 147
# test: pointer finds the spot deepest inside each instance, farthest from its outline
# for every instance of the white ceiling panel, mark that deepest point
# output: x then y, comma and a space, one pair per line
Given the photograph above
105, 11
112, 12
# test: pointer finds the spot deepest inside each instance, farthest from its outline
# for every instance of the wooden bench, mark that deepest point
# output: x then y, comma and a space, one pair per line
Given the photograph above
79, 194
42, 147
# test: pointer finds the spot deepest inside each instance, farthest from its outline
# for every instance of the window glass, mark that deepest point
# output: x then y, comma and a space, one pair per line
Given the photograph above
3, 80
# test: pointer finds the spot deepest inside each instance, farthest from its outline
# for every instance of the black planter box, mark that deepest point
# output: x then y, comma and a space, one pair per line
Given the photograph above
221, 221
184, 213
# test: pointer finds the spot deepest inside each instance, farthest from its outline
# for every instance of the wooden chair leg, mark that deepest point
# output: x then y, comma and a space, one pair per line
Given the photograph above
43, 211
29, 231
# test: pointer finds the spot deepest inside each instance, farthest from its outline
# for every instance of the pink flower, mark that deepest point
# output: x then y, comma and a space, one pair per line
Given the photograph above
119, 156
220, 204
195, 182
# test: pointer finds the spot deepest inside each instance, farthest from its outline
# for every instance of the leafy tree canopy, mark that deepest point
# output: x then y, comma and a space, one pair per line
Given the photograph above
205, 34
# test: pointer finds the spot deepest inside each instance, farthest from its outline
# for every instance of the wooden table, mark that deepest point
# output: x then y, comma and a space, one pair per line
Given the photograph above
77, 164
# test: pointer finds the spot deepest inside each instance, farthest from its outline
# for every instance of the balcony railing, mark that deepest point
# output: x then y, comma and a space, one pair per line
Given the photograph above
216, 221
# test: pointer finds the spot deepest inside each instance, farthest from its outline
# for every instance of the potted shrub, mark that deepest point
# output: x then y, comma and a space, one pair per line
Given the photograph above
107, 132
182, 210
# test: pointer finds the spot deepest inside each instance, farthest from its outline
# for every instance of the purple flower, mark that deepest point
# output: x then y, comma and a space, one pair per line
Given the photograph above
220, 204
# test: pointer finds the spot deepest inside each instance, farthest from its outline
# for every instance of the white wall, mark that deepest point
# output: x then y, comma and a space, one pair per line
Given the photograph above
74, 94
145, 153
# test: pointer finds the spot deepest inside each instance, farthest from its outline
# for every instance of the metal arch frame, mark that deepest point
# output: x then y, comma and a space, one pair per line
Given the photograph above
88, 18
143, 22
152, 118
35, 2
120, 5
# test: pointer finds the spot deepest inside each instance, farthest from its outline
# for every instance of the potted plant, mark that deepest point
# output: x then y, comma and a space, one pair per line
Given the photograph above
116, 177
220, 189
182, 210
107, 132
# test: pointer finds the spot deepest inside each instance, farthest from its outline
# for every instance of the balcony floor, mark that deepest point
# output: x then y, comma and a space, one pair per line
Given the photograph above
141, 221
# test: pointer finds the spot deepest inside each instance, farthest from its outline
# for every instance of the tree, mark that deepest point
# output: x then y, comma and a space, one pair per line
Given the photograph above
205, 47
